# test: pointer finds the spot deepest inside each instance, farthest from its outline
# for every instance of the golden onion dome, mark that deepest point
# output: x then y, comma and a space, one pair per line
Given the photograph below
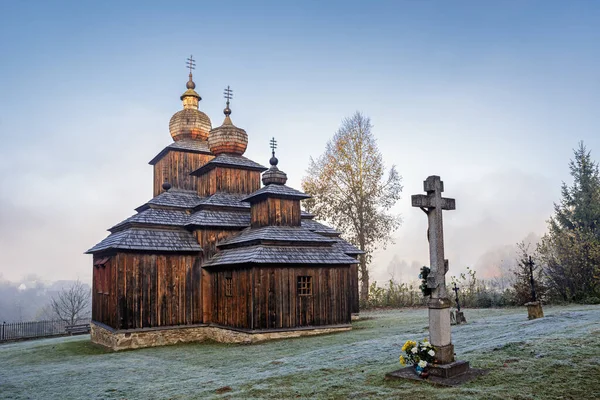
190, 122
227, 138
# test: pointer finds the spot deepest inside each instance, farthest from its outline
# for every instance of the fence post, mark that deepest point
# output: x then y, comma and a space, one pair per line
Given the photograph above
2, 336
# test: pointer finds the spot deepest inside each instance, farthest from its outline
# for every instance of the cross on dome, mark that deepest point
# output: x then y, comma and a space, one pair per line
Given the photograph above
228, 94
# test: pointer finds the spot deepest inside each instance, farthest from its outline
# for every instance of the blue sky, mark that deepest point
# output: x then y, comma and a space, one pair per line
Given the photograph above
492, 96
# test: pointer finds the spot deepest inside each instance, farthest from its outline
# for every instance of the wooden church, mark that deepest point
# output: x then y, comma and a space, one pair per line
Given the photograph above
215, 255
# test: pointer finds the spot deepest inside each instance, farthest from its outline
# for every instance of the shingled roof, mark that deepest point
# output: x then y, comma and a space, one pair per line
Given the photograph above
229, 160
262, 254
294, 234
221, 218
319, 228
277, 191
220, 200
153, 216
306, 215
149, 240
187, 145
174, 198
346, 247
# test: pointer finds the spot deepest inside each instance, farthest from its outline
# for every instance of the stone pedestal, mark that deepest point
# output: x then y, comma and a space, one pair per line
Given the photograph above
534, 310
449, 370
459, 317
439, 329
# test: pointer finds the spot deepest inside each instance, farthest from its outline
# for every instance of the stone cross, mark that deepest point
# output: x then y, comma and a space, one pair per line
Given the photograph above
530, 263
432, 204
456, 289
439, 305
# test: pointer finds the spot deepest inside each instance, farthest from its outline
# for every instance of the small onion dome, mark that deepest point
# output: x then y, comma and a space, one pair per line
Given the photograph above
227, 138
273, 175
190, 122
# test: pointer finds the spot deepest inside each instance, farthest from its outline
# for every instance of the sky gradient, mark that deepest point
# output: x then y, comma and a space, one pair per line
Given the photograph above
491, 96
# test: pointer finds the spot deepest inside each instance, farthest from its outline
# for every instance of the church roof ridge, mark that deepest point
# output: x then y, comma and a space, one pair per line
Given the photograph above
187, 145
291, 255
287, 234
219, 218
278, 191
148, 239
229, 160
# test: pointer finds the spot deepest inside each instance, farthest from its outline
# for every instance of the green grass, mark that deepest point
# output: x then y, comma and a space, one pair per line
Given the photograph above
557, 357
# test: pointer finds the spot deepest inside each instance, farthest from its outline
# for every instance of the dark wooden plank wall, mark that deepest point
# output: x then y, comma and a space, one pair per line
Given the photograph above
153, 290
236, 310
208, 239
354, 299
272, 211
177, 167
228, 180
104, 303
277, 304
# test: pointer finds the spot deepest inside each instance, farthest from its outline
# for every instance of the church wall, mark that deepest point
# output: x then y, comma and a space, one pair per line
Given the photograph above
228, 180
232, 302
177, 167
278, 304
273, 211
156, 290
208, 239
103, 291
354, 298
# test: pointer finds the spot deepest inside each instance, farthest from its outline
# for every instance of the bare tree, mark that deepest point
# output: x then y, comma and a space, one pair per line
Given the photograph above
71, 304
349, 189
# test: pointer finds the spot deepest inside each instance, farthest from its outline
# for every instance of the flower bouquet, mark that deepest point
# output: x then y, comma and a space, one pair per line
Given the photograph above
420, 354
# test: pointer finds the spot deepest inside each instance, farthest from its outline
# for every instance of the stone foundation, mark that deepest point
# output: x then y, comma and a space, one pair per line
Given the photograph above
151, 337
534, 310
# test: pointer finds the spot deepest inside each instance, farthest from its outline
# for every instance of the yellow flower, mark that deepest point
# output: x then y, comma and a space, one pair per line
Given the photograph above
408, 345
402, 360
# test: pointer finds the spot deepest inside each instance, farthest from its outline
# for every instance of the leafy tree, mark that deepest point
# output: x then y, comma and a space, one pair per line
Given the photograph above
71, 304
571, 249
349, 189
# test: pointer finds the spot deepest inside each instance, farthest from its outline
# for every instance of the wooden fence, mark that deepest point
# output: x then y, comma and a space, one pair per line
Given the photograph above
35, 329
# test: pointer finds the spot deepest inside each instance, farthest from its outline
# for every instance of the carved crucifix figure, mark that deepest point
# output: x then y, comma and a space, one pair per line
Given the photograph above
439, 305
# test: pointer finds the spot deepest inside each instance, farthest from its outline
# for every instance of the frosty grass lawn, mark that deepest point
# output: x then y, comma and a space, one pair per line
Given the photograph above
554, 357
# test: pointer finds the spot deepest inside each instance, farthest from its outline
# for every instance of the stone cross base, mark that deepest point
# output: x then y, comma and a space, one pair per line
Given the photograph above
439, 329
457, 318
444, 354
534, 310
449, 370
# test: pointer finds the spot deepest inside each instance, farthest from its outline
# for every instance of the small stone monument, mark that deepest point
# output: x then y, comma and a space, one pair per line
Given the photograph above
534, 307
458, 316
445, 370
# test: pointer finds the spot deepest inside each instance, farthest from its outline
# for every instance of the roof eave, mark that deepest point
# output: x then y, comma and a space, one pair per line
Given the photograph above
164, 152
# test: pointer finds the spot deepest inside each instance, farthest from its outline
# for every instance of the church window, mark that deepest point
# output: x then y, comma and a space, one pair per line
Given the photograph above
305, 285
228, 287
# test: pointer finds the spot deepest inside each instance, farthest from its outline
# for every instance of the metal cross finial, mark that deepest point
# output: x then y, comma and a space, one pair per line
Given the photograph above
191, 63
273, 145
228, 94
